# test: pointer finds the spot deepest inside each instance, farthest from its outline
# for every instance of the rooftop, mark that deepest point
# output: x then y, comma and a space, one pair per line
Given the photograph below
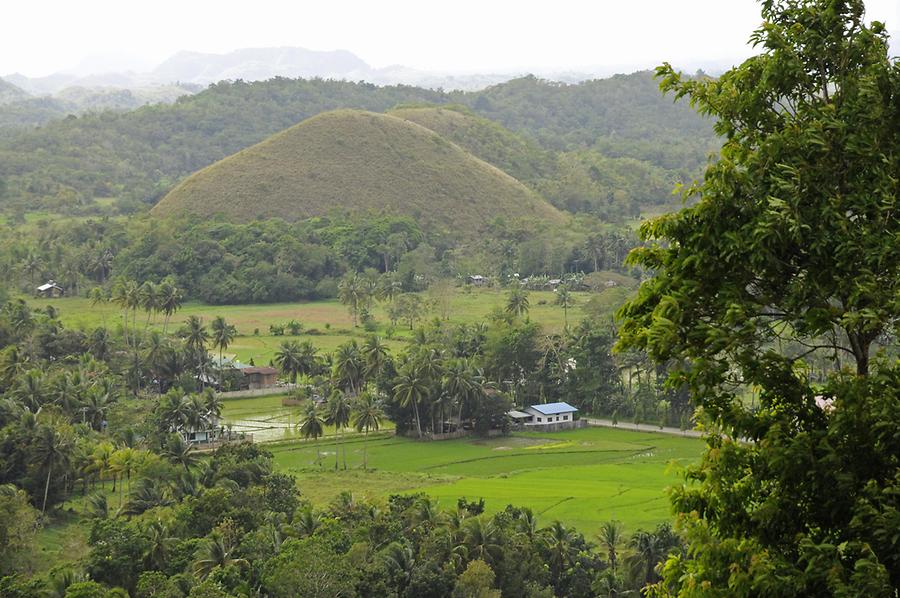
258, 370
554, 408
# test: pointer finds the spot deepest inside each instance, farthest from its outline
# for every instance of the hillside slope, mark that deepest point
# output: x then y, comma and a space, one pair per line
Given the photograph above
358, 162
10, 93
485, 139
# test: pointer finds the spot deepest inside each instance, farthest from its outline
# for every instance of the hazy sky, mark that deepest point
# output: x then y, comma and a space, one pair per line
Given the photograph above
45, 36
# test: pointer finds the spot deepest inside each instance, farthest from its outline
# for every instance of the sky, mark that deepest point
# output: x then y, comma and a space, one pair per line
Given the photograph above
41, 37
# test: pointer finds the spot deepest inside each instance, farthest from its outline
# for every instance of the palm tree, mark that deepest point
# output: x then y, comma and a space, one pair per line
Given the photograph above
216, 552
195, 339
213, 405
100, 343
149, 297
411, 387
102, 461
430, 365
126, 294
170, 300
307, 521
482, 539
526, 526
565, 298
222, 335
52, 448
159, 543
375, 355
32, 264
97, 401
517, 302
459, 383
559, 541
289, 359
312, 425
339, 409
367, 415
349, 369
649, 550
154, 356
12, 365
179, 452
309, 360
31, 390
124, 462
400, 558
352, 293
611, 537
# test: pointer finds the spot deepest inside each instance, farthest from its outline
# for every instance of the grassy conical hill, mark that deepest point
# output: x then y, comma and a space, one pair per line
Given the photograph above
520, 157
358, 162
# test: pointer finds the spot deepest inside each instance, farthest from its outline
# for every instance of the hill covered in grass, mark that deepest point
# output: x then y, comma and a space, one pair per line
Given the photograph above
357, 162
488, 140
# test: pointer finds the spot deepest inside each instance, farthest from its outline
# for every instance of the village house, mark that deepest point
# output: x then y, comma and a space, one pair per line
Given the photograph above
476, 280
50, 289
259, 377
558, 415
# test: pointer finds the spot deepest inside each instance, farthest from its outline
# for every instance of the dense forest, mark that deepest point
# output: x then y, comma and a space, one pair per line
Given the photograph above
270, 261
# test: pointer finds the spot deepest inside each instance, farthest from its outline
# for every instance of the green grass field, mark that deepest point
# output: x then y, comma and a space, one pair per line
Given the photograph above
329, 319
581, 477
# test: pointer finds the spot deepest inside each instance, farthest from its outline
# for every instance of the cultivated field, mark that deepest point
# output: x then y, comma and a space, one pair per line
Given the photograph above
581, 477
326, 324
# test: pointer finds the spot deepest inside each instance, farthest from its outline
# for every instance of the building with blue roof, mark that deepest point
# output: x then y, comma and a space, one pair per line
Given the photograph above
547, 414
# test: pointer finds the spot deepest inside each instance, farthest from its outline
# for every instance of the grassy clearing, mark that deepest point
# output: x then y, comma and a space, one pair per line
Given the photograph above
581, 477
63, 538
326, 324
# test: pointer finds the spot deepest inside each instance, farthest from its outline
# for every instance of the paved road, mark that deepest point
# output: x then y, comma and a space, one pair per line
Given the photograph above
607, 423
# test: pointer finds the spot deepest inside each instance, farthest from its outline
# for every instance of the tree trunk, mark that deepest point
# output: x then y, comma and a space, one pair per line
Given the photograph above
859, 345
418, 424
46, 489
366, 450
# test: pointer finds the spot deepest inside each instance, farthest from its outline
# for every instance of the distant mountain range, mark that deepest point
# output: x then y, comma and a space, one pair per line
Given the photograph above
259, 64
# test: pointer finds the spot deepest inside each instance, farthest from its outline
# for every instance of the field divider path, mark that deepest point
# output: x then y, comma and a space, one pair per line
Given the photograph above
622, 453
608, 423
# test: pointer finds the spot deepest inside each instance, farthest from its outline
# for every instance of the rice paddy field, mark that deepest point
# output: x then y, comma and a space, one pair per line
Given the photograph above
581, 477
326, 324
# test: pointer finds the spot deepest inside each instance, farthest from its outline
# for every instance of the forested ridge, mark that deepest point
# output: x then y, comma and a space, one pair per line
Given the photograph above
139, 155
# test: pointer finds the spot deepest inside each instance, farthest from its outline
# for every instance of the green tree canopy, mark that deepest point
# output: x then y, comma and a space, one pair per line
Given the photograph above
791, 250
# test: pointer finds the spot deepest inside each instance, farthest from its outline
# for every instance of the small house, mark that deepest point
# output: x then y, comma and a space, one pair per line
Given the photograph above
476, 280
549, 413
259, 377
50, 289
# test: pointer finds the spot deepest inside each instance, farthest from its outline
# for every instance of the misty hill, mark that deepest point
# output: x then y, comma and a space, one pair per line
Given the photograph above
358, 162
252, 64
29, 111
11, 93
